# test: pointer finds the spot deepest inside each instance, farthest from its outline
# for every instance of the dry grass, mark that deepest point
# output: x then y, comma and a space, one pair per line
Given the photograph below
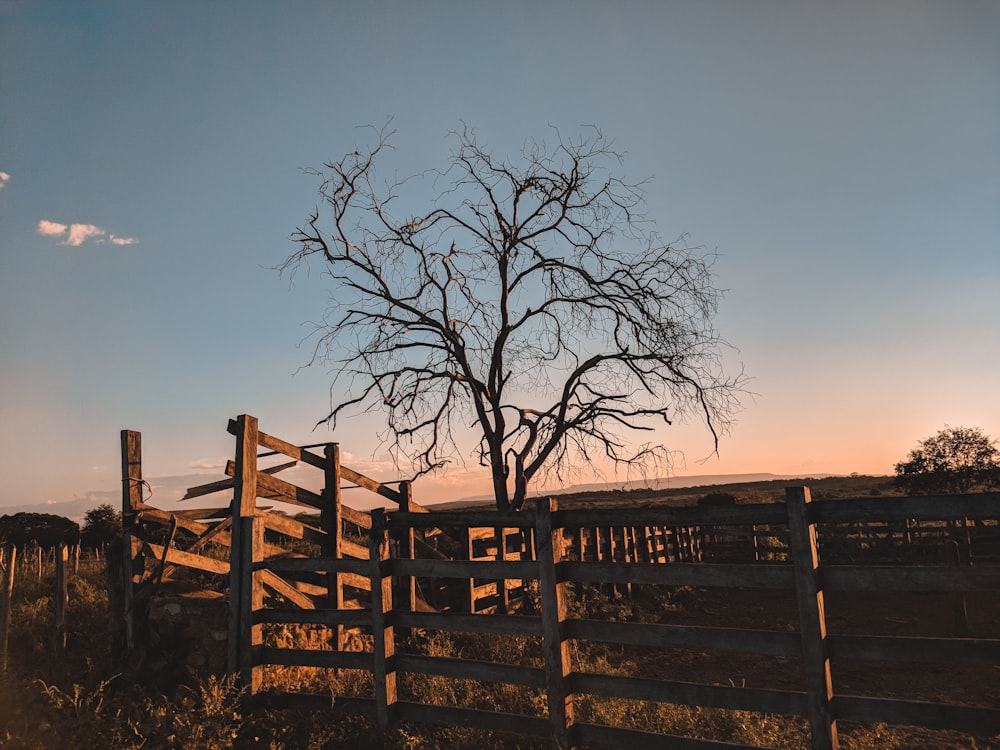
83, 702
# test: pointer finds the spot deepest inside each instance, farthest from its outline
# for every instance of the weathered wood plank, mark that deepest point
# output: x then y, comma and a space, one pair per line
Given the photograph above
277, 444
61, 560
331, 519
227, 484
555, 610
690, 693
383, 634
282, 588
356, 516
770, 642
208, 489
10, 561
164, 517
898, 648
912, 578
406, 546
812, 620
132, 483
369, 484
197, 514
287, 492
944, 507
241, 548
467, 669
351, 618
177, 557
252, 676
295, 529
304, 583
971, 719
317, 565
353, 550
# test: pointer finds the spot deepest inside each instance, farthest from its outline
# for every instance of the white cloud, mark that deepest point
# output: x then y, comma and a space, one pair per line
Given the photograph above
4, 179
208, 463
51, 228
78, 234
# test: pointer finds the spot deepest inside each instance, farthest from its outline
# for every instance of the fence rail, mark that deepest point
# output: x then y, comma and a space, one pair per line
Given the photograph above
545, 554
820, 703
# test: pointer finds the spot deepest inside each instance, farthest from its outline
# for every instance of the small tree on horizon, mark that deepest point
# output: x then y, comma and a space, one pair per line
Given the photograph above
527, 304
954, 461
101, 525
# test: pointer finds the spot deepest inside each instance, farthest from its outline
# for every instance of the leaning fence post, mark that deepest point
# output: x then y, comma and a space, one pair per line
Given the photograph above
812, 619
382, 629
554, 611
10, 558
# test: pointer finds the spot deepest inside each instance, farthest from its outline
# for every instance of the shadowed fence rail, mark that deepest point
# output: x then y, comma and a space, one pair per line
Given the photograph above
548, 553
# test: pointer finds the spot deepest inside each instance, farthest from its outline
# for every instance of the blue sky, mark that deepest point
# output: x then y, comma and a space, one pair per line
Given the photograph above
843, 159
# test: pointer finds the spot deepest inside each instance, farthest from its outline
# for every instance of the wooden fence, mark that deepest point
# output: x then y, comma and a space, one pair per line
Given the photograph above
554, 571
65, 560
160, 543
545, 553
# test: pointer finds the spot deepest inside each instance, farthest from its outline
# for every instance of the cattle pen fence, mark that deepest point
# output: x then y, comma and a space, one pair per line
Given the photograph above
519, 575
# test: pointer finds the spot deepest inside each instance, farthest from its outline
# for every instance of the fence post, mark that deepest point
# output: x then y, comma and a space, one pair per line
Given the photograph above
407, 547
383, 634
114, 568
61, 560
503, 604
554, 611
812, 618
958, 601
331, 520
470, 555
131, 443
241, 552
10, 559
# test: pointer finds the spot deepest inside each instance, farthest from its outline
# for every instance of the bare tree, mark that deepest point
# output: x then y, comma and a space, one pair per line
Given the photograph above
528, 305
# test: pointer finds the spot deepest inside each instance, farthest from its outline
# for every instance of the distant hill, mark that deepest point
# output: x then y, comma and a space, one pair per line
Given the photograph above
686, 489
663, 483
673, 490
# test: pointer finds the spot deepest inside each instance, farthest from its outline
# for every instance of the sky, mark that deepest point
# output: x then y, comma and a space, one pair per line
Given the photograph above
841, 158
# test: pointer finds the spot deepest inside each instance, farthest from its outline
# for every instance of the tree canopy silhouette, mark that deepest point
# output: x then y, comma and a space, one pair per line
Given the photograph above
954, 461
528, 305
101, 525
